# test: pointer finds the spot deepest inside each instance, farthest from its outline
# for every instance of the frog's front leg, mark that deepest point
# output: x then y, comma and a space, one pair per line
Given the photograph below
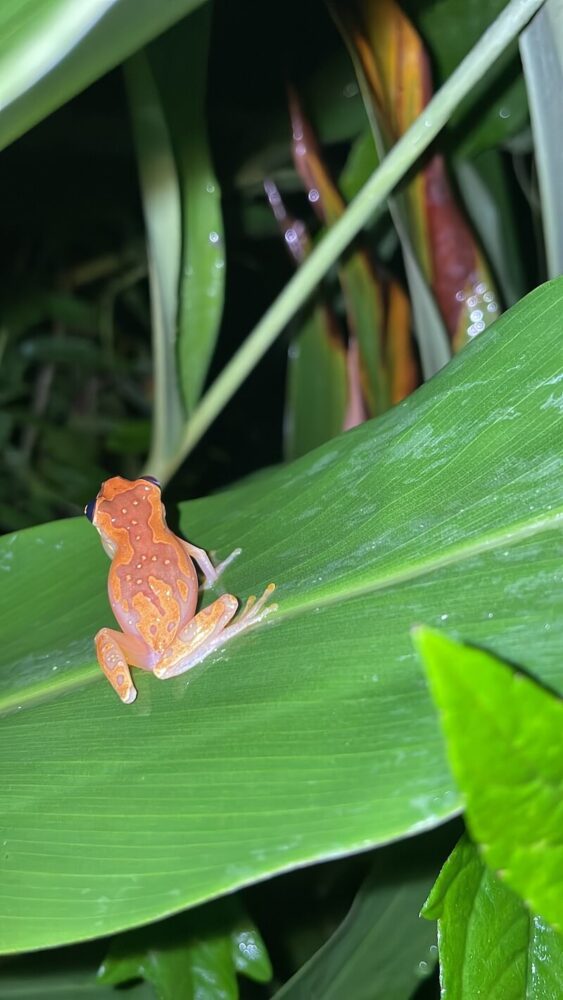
115, 651
210, 572
209, 630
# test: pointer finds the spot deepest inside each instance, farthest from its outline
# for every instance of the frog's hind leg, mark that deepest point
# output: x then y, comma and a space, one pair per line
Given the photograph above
115, 651
209, 630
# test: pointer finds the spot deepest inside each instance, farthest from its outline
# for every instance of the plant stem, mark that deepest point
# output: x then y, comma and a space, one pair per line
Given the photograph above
371, 198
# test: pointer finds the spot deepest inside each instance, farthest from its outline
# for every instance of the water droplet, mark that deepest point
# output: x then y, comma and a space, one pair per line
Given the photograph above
210, 188
214, 237
351, 89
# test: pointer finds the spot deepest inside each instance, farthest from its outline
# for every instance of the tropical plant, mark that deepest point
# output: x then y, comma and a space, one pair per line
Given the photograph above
373, 188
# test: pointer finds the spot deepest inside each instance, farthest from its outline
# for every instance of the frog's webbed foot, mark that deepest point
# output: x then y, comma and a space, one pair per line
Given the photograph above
211, 629
115, 651
211, 573
254, 610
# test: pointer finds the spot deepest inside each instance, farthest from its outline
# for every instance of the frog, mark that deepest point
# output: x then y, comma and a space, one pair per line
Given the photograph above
153, 589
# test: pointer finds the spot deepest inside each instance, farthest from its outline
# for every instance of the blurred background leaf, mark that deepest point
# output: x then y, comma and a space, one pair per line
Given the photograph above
180, 59
162, 210
541, 47
382, 949
52, 49
196, 955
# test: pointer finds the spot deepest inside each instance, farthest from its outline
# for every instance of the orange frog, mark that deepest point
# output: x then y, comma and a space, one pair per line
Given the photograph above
153, 589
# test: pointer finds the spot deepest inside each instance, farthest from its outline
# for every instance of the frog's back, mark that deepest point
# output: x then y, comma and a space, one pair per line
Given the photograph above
152, 582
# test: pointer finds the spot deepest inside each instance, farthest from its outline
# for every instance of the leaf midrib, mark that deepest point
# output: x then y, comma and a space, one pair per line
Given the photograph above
508, 536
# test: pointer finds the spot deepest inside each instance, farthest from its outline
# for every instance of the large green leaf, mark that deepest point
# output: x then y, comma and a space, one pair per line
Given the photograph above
490, 944
51, 49
315, 735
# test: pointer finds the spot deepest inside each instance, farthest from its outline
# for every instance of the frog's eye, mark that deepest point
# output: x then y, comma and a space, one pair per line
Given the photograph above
151, 479
89, 510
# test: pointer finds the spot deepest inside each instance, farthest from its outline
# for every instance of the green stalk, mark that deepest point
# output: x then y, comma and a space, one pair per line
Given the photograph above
395, 165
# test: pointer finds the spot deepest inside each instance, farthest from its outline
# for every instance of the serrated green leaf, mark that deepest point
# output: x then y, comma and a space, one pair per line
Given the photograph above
313, 736
503, 734
490, 945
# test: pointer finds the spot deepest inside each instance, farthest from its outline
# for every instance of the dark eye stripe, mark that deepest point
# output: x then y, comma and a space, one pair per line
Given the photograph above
89, 510
151, 479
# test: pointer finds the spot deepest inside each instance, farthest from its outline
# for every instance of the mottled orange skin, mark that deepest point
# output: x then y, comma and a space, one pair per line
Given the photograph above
152, 582
153, 590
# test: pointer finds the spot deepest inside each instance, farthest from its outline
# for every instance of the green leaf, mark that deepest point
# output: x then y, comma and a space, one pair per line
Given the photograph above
313, 736
50, 50
488, 193
381, 950
490, 945
195, 956
63, 974
541, 47
496, 108
181, 60
503, 733
65, 985
361, 162
316, 383
163, 219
